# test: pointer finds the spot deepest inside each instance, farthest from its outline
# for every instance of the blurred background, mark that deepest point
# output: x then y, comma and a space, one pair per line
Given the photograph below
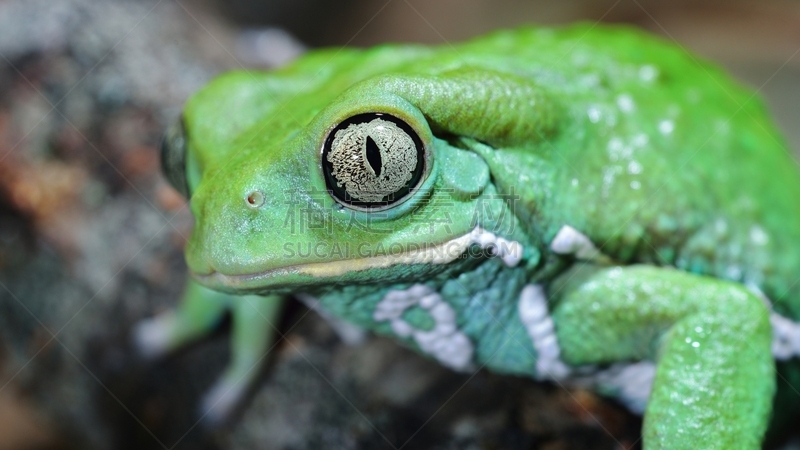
91, 235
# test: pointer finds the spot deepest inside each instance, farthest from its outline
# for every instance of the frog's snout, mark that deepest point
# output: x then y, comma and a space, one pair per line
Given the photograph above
173, 157
197, 263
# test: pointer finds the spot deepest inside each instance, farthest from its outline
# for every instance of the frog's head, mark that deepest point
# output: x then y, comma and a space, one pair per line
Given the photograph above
297, 185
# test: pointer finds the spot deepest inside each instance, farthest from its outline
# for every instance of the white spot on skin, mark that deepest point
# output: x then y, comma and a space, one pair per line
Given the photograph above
594, 114
429, 301
418, 290
625, 103
634, 168
444, 342
509, 251
617, 149
402, 328
648, 73
615, 144
640, 140
569, 241
666, 127
532, 308
758, 235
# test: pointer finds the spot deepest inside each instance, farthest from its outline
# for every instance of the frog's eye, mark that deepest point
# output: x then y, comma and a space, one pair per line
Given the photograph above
372, 161
173, 157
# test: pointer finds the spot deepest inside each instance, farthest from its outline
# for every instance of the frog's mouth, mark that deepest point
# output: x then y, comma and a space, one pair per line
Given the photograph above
442, 253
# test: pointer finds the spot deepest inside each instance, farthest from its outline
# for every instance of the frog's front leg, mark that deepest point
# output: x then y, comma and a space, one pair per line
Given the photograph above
255, 324
201, 309
710, 339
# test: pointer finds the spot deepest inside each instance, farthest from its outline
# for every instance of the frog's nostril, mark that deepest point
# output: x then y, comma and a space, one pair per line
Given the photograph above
255, 199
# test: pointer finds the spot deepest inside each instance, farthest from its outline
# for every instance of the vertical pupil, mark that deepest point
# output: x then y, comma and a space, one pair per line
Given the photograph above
374, 156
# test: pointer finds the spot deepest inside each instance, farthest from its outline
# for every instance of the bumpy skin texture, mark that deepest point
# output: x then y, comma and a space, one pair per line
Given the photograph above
673, 171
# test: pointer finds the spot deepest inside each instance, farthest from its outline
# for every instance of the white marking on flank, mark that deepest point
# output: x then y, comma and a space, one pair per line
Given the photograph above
509, 251
444, 341
569, 241
541, 330
625, 103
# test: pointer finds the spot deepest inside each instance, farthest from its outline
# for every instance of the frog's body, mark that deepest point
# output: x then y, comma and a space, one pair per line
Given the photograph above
593, 161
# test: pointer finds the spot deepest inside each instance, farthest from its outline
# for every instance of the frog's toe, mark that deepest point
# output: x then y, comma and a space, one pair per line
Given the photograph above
219, 403
252, 340
151, 337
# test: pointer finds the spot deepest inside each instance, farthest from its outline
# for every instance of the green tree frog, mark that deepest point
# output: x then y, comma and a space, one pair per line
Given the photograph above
588, 204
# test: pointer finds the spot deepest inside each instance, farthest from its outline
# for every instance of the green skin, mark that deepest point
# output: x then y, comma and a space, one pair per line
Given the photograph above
670, 168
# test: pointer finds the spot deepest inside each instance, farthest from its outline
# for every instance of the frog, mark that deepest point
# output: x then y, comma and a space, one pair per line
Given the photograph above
588, 205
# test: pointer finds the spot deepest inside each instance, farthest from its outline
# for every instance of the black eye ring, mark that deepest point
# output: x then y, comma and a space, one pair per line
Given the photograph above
373, 161
173, 157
